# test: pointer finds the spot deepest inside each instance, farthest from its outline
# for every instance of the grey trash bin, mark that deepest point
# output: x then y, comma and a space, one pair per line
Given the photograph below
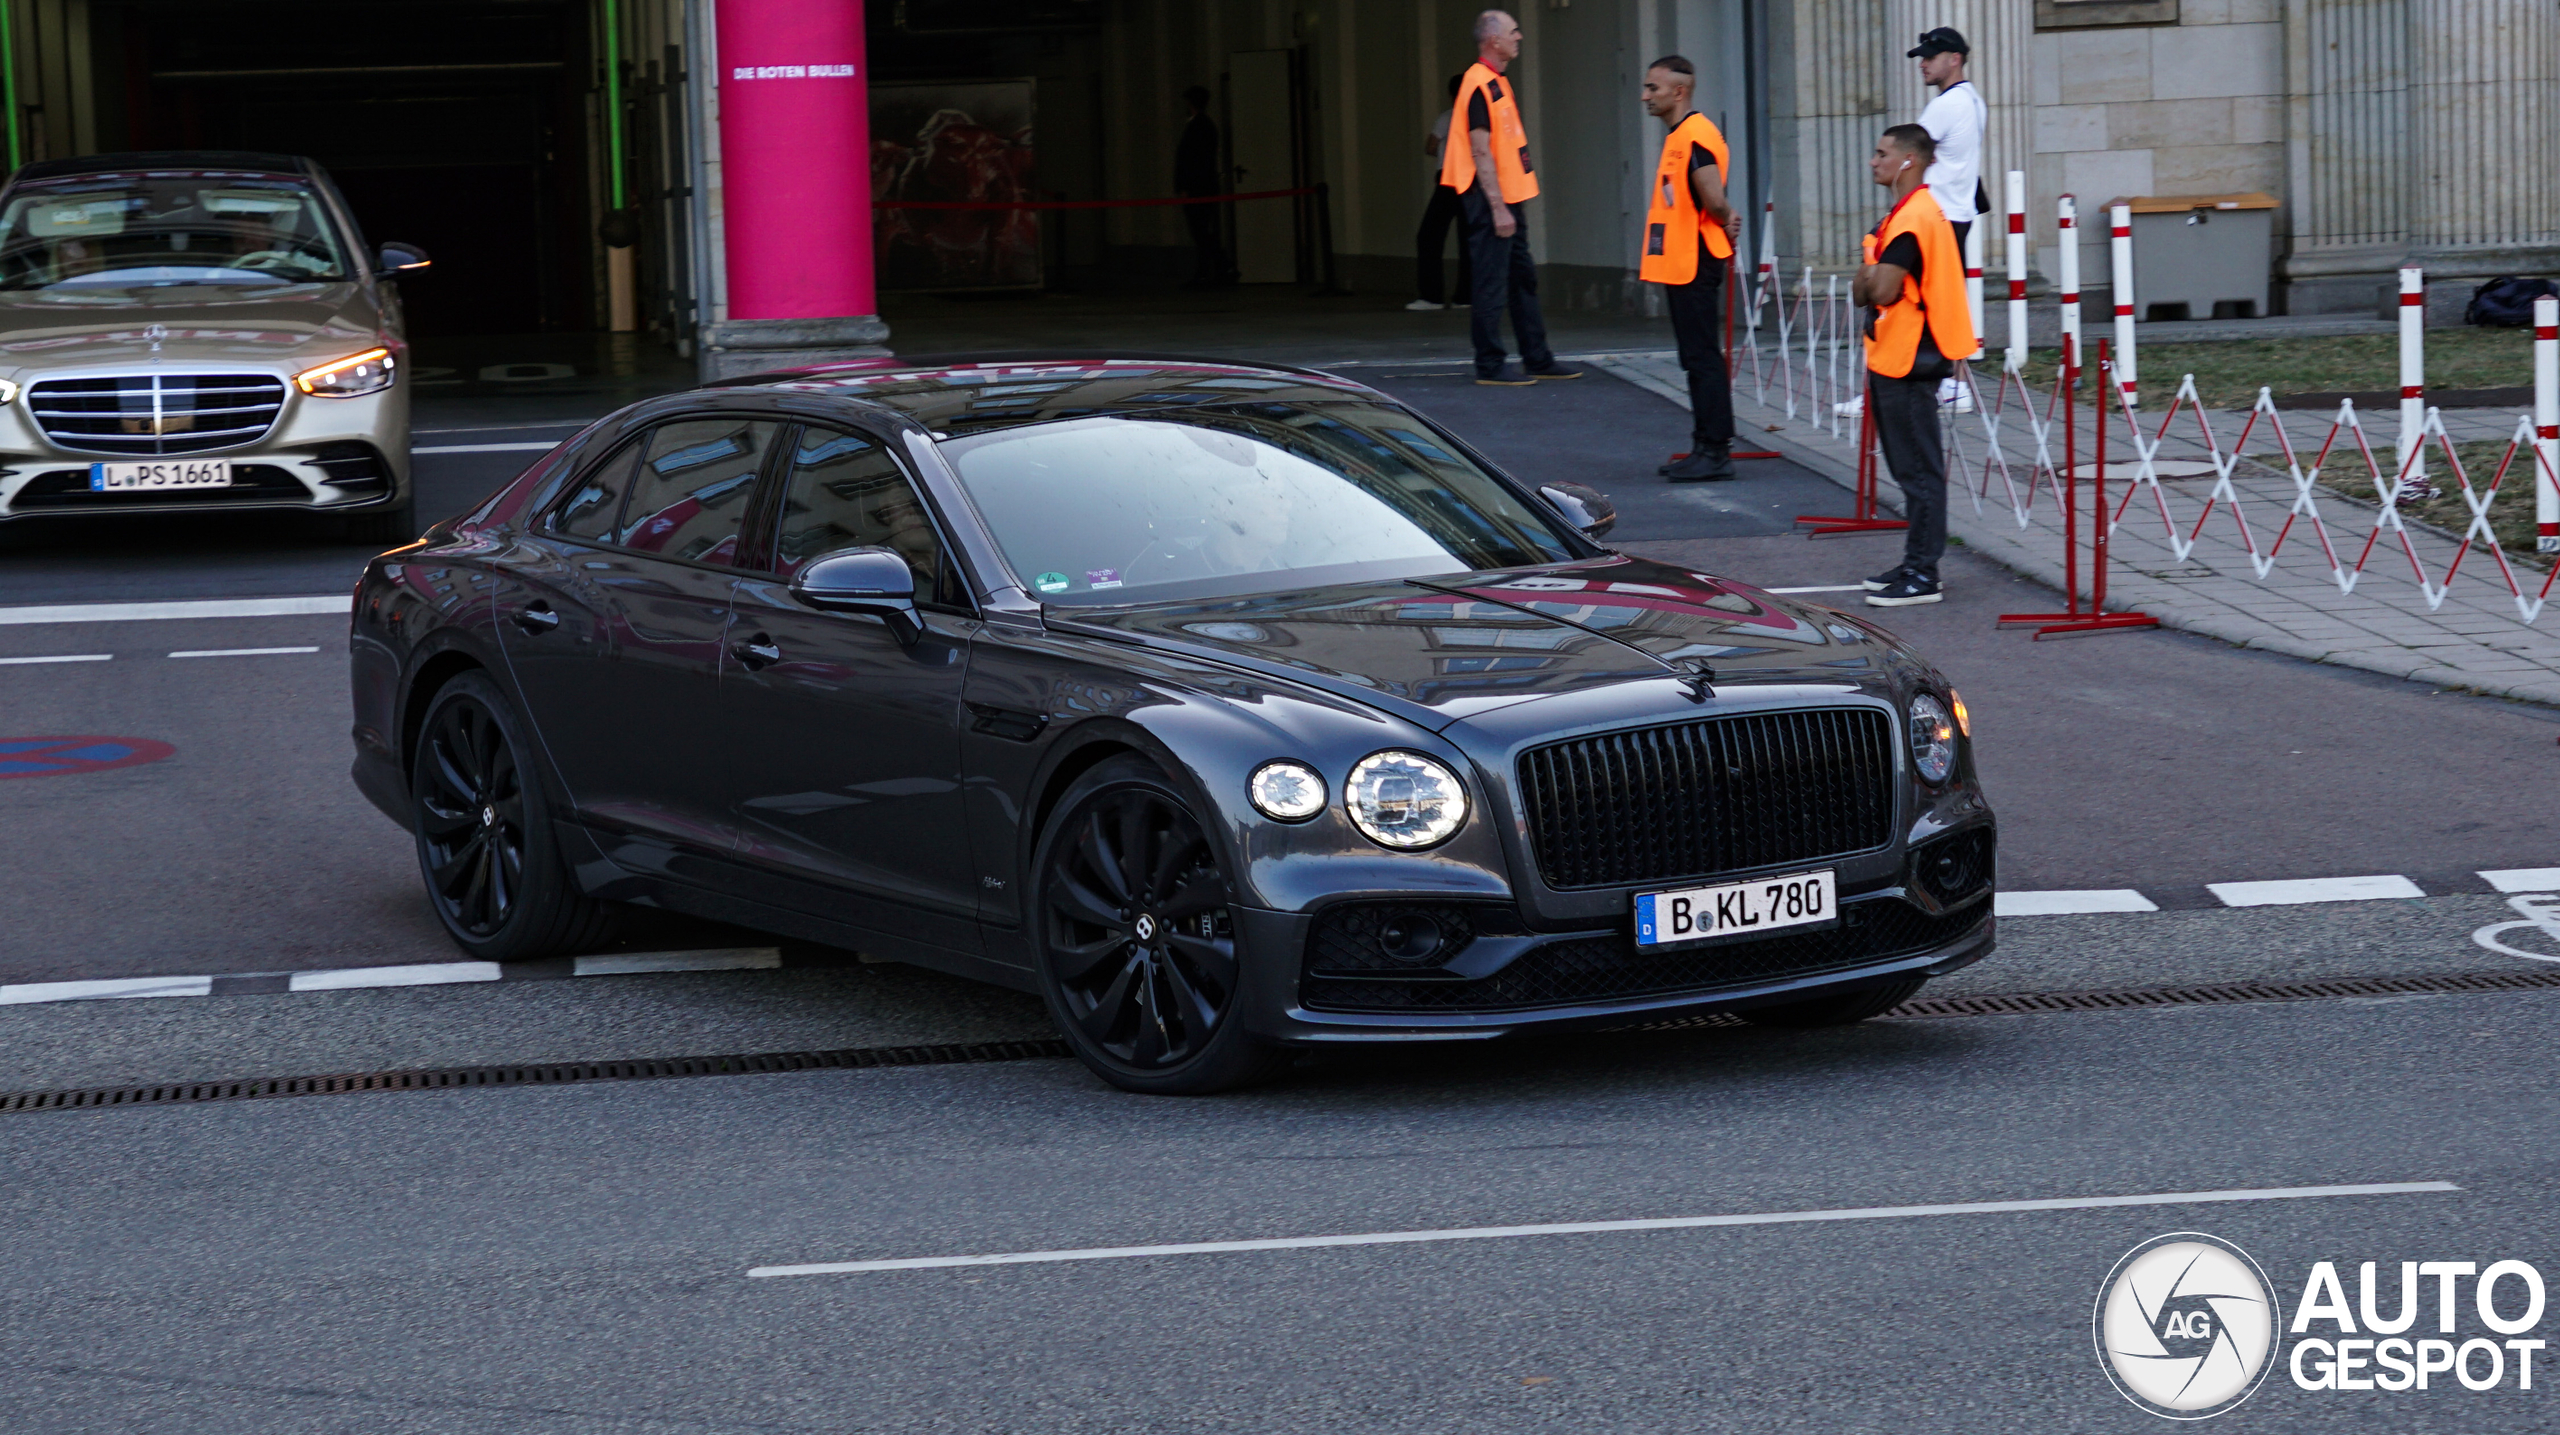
2202, 256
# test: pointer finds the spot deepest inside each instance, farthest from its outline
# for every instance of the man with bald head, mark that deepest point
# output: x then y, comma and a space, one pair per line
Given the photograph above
1487, 162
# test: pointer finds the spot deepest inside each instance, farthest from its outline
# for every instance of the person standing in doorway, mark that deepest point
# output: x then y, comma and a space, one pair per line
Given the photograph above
1196, 174
1956, 121
1917, 325
1689, 229
1493, 177
1437, 216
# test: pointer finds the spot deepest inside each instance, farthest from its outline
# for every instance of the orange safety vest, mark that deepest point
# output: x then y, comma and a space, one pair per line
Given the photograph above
1936, 300
1510, 142
1671, 222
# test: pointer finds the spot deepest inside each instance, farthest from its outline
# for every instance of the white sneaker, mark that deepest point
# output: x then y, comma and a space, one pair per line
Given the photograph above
1955, 396
1854, 408
1424, 306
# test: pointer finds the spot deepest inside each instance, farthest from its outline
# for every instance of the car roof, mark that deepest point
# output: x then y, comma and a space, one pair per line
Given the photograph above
975, 392
221, 161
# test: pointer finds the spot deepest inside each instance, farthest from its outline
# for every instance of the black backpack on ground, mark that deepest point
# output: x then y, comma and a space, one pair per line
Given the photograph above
2507, 302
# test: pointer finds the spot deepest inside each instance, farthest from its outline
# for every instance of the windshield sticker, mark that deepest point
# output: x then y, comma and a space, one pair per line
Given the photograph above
1102, 577
1050, 582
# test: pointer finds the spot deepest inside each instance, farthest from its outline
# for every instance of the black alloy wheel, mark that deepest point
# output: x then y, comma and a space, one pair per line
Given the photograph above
485, 845
1139, 957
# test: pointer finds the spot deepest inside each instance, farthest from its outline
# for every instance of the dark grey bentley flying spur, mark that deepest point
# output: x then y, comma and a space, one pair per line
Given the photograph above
1232, 708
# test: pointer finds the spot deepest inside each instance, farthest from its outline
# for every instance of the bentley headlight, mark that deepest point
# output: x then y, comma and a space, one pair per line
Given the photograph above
1933, 739
1286, 791
1405, 800
357, 374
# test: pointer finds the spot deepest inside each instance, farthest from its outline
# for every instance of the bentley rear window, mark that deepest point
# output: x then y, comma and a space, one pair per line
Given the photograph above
1240, 498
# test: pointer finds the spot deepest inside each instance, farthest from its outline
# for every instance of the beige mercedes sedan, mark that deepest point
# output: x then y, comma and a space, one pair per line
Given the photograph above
197, 331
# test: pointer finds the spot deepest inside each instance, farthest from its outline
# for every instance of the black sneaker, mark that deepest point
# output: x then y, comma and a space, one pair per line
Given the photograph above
1554, 370
1906, 590
1506, 377
1886, 579
1708, 463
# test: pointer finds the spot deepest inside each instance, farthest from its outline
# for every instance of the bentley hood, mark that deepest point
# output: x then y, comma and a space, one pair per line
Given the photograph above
283, 327
1442, 649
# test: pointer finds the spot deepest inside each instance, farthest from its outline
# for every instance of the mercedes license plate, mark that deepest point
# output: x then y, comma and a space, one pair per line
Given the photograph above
1693, 914
189, 473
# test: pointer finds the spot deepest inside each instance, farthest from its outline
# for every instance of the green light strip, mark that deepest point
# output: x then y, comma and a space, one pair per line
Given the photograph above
612, 101
9, 76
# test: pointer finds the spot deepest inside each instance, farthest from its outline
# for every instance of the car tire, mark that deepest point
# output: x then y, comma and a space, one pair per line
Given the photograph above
1139, 954
387, 526
1841, 1009
486, 849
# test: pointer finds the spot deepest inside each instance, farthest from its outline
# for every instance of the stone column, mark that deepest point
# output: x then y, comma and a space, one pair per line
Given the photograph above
2000, 32
2484, 105
1827, 103
2346, 151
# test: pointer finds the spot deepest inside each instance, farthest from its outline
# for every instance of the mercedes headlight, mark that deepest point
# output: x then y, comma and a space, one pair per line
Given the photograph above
1404, 800
1286, 791
1933, 739
347, 378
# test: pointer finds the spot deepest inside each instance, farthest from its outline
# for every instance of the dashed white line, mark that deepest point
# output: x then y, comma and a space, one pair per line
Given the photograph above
2058, 904
323, 603
2313, 889
62, 658
1576, 1228
237, 652
484, 448
2524, 879
108, 989
1840, 588
426, 975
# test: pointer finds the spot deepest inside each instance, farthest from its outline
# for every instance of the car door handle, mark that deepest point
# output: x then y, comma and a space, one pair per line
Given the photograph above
759, 651
537, 618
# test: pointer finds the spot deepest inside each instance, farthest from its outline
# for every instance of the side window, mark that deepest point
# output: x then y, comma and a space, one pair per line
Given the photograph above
690, 493
845, 492
593, 509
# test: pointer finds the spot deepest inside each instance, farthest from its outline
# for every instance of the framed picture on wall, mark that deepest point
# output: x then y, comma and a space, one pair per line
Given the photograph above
2089, 14
953, 142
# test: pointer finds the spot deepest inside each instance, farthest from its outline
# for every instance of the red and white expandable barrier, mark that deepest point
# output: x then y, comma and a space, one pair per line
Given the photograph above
2120, 250
2017, 269
2067, 263
2546, 424
2413, 379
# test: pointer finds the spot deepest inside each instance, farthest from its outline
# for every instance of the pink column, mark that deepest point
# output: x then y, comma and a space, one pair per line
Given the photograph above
795, 158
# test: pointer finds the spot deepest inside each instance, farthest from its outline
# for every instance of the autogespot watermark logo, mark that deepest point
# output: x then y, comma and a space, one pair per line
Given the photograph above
2184, 1325
2187, 1325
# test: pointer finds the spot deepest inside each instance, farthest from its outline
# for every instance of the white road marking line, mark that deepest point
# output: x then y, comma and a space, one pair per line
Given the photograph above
2056, 904
1843, 588
114, 988
63, 658
187, 608
733, 959
1576, 1228
430, 974
2524, 879
506, 428
2312, 889
484, 448
237, 652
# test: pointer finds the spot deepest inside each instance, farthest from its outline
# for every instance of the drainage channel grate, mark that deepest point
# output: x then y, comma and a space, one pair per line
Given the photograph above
553, 1074
853, 1058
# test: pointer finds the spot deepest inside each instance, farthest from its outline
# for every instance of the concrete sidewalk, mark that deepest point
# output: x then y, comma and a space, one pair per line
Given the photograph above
2477, 637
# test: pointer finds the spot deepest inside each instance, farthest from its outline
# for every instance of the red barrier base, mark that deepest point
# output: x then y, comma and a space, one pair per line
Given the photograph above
1740, 453
2078, 625
1840, 527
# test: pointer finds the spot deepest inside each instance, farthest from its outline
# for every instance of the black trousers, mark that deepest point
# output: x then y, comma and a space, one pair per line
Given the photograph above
1906, 412
1696, 317
1208, 244
1433, 237
1506, 277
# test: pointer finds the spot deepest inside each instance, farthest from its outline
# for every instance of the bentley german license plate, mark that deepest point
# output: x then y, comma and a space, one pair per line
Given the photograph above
189, 473
1693, 914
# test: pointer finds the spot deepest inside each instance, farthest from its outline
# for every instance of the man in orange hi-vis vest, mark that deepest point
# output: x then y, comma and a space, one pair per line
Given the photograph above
1689, 227
1487, 162
1918, 324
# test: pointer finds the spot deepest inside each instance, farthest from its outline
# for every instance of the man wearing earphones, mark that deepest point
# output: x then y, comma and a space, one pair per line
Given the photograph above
1917, 325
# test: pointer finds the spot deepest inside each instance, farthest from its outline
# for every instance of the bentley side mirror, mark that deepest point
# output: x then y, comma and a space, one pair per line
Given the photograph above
862, 580
398, 258
1584, 507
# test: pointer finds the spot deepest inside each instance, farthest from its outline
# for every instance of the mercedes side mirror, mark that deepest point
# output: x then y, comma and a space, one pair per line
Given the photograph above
398, 258
862, 580
1584, 507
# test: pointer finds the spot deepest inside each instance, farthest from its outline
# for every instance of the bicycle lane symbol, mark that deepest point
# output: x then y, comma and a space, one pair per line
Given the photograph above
2541, 913
71, 756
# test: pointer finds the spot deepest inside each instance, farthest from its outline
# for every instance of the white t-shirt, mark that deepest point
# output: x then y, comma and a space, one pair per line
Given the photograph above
1440, 138
1956, 120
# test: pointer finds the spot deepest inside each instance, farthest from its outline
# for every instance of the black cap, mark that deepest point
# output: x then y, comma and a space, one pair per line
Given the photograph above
1941, 41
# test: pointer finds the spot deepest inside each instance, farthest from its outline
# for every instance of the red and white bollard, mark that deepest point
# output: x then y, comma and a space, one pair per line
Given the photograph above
1768, 263
2120, 250
2412, 451
2546, 424
2067, 256
1973, 281
2017, 269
